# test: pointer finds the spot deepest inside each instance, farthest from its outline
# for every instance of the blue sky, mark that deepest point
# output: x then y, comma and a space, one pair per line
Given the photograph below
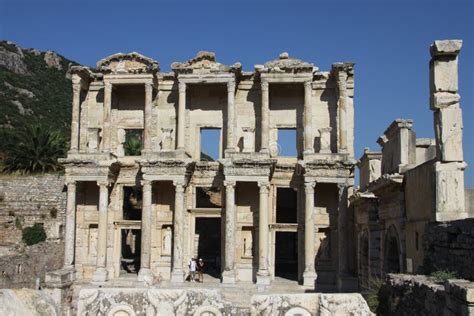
388, 41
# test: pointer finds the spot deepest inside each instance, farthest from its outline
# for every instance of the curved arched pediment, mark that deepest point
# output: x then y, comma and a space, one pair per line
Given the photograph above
204, 62
128, 63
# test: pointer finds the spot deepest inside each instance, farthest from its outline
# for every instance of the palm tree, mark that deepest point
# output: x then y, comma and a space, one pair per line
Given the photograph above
32, 149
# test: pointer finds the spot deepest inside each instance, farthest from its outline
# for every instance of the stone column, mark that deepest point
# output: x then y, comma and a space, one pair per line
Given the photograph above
177, 274
445, 103
107, 117
181, 115
148, 115
100, 274
230, 115
309, 274
263, 275
145, 268
228, 276
69, 238
342, 110
341, 235
265, 127
308, 129
76, 103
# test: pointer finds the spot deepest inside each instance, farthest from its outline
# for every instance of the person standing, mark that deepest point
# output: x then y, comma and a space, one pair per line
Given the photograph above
192, 269
200, 269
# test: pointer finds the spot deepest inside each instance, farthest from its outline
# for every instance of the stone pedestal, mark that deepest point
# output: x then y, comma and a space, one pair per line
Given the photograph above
61, 278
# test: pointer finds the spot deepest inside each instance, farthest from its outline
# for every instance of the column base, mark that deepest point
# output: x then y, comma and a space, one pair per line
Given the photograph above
309, 279
100, 275
228, 277
263, 278
145, 275
177, 276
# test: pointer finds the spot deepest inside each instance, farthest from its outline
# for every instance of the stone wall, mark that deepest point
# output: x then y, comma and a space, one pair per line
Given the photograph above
403, 294
450, 246
27, 200
24, 264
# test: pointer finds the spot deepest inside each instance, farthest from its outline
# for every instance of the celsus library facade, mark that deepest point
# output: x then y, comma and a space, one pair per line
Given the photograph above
144, 194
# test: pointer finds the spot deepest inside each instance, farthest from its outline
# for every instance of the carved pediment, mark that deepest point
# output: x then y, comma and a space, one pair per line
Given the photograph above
204, 62
286, 64
133, 63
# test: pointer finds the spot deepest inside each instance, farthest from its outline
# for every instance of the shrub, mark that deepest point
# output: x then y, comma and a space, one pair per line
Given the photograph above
33, 235
375, 284
441, 276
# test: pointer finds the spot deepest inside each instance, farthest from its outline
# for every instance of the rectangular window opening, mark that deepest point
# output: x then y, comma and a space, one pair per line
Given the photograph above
133, 144
132, 203
287, 142
210, 144
286, 208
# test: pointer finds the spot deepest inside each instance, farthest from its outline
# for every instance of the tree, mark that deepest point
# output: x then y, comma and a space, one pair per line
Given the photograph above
32, 149
33, 235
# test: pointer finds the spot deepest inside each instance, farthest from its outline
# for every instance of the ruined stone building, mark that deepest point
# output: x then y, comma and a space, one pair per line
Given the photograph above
144, 197
412, 182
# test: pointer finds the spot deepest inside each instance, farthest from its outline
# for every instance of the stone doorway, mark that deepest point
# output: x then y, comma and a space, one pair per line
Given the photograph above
130, 251
208, 244
286, 255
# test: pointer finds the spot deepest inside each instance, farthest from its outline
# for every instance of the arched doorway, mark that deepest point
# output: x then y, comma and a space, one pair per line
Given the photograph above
392, 251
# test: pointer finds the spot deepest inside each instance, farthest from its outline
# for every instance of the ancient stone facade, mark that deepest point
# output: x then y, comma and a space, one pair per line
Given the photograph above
412, 182
141, 211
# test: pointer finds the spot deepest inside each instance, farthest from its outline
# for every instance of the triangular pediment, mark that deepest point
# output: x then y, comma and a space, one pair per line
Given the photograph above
286, 64
128, 63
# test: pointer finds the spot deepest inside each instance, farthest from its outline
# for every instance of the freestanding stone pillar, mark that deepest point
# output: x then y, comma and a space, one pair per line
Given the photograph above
309, 274
148, 114
263, 275
145, 259
231, 115
69, 238
181, 114
107, 116
445, 103
100, 274
228, 276
308, 130
76, 100
177, 274
265, 127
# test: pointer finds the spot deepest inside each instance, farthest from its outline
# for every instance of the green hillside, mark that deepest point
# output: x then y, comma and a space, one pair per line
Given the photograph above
34, 88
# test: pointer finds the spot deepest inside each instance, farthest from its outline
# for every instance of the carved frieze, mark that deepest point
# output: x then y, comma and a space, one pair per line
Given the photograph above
131, 63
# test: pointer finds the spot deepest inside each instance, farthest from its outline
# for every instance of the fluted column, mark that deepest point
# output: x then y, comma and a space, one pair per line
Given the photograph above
228, 276
107, 117
76, 100
263, 275
309, 274
265, 127
230, 115
177, 274
145, 267
181, 114
308, 129
69, 238
342, 110
100, 274
148, 122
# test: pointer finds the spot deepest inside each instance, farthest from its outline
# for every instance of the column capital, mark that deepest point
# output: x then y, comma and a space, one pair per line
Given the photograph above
308, 84
341, 187
309, 187
264, 85
264, 186
101, 183
179, 186
148, 85
228, 183
231, 86
70, 182
182, 86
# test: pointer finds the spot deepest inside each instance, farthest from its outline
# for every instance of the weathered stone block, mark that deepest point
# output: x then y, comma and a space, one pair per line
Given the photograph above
449, 128
444, 74
446, 47
450, 191
441, 100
